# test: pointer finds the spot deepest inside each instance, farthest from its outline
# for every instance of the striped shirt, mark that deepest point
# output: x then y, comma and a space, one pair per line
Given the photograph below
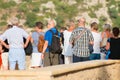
80, 48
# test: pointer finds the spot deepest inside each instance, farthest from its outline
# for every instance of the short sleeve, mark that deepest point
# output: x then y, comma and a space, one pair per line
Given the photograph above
25, 34
48, 37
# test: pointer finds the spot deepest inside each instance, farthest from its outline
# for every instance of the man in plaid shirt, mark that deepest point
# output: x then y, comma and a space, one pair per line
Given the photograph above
80, 49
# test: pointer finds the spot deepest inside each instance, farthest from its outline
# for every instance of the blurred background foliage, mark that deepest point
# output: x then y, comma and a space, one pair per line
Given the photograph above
32, 11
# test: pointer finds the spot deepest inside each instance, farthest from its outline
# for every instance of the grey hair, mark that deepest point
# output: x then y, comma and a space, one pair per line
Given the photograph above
14, 20
107, 27
55, 23
70, 23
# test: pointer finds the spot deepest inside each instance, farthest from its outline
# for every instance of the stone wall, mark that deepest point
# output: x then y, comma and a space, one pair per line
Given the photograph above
90, 70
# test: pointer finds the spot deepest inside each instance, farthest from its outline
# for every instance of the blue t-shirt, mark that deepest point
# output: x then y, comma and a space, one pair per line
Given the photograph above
48, 37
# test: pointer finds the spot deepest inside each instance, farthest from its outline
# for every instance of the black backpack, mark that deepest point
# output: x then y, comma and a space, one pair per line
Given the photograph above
55, 46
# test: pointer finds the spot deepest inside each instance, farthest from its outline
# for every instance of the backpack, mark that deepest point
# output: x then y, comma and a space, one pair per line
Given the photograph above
55, 46
29, 48
41, 42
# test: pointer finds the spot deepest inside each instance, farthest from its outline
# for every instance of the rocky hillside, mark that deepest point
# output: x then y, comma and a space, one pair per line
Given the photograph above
30, 11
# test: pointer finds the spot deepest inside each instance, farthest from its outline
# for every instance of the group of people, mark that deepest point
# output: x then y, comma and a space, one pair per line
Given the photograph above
74, 43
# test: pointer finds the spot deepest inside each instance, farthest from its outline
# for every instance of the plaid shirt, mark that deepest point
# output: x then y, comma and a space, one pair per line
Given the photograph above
80, 48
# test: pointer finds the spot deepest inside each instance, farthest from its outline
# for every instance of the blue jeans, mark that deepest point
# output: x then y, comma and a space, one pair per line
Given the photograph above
79, 59
107, 54
94, 56
16, 56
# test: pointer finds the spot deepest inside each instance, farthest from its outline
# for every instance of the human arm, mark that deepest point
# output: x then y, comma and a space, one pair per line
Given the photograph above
3, 37
108, 44
1, 49
91, 38
71, 39
27, 41
47, 38
4, 44
44, 48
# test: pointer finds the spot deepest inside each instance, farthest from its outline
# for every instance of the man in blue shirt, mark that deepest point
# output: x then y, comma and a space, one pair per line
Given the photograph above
49, 58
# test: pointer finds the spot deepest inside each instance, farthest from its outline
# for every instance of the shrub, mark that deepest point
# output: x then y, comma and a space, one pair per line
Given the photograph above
23, 7
4, 16
36, 9
2, 23
31, 18
102, 21
113, 13
5, 5
27, 0
91, 13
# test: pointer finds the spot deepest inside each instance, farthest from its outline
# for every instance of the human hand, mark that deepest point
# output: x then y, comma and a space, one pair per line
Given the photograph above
42, 56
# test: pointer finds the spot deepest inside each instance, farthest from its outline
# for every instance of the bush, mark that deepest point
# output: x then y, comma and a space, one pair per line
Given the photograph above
113, 13
96, 7
3, 23
116, 22
102, 21
36, 9
27, 0
92, 14
65, 12
5, 5
31, 18
4, 16
23, 7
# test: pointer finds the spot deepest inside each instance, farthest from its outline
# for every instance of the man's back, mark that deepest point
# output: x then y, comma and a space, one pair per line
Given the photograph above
15, 37
81, 44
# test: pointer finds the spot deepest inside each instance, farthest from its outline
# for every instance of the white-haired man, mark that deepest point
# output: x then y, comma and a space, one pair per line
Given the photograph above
16, 45
50, 58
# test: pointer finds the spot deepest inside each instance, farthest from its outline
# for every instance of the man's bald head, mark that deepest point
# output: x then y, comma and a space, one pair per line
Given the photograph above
81, 21
52, 22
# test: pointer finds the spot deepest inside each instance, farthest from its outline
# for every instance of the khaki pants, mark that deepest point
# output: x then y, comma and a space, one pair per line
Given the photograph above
50, 59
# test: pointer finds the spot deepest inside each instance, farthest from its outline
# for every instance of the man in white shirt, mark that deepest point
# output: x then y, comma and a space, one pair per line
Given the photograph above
16, 45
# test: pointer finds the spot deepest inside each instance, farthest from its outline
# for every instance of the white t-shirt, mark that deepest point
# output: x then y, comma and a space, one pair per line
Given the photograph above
67, 49
97, 39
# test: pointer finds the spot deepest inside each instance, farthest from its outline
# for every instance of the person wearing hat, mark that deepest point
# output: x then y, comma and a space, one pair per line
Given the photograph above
16, 45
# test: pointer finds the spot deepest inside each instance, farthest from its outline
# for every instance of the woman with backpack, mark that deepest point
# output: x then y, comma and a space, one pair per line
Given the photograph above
36, 60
